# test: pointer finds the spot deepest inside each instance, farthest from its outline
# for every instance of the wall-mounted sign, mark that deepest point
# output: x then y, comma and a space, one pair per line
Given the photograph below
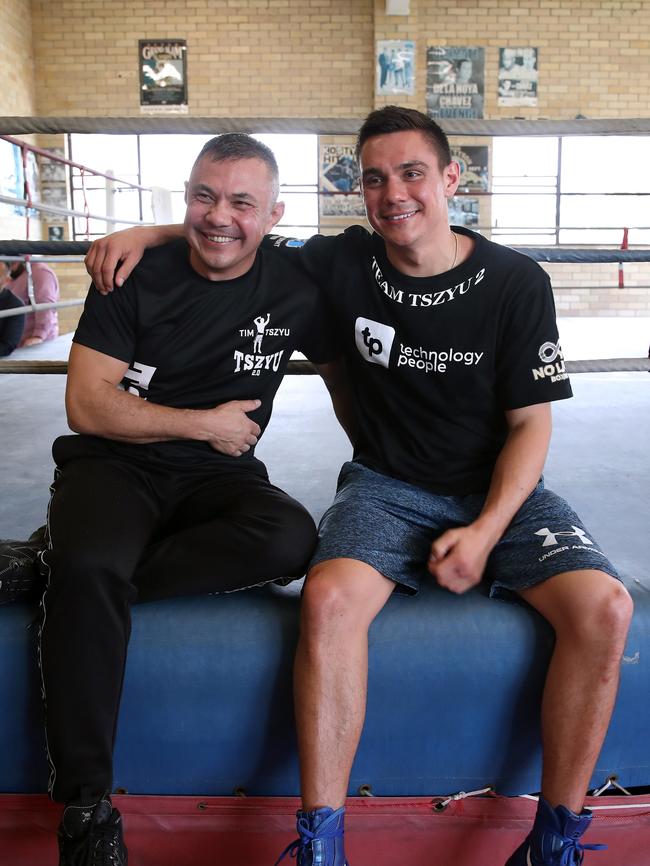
163, 76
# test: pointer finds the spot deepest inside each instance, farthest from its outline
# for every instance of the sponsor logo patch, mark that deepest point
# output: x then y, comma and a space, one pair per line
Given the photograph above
550, 354
374, 340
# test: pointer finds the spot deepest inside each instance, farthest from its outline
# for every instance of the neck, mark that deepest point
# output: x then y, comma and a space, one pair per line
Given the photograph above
429, 261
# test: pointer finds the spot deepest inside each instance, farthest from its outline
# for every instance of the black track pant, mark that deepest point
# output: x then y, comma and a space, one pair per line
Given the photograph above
121, 534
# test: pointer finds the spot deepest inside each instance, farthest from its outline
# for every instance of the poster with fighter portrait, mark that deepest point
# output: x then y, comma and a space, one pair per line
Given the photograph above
340, 194
518, 74
163, 76
395, 67
455, 81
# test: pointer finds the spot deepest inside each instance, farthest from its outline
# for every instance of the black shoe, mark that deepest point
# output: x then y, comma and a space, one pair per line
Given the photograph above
21, 577
92, 836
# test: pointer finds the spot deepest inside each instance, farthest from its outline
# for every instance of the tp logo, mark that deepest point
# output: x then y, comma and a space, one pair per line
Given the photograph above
374, 340
551, 538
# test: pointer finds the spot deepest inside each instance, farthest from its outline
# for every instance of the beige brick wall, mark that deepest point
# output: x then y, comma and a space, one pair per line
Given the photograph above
246, 58
594, 55
292, 58
17, 95
289, 58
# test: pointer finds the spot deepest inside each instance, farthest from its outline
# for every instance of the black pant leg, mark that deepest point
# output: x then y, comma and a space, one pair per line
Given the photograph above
101, 517
227, 534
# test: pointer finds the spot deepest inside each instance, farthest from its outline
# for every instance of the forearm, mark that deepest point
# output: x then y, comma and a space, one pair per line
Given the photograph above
115, 414
516, 472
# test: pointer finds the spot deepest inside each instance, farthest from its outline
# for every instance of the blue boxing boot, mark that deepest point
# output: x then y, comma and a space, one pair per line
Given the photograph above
320, 839
554, 839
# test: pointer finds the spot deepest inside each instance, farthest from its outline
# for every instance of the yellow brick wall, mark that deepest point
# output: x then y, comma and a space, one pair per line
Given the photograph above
246, 58
17, 95
289, 58
292, 58
594, 55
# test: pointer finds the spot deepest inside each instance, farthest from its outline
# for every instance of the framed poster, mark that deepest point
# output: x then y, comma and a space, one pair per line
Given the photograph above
340, 194
163, 76
473, 161
455, 81
518, 75
395, 67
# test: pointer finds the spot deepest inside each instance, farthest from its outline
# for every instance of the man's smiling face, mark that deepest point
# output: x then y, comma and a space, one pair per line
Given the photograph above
405, 189
230, 207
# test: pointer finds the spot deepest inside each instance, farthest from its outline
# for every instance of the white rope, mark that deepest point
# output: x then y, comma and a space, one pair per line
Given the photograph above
61, 211
461, 795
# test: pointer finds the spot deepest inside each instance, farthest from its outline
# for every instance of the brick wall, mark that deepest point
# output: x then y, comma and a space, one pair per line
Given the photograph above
17, 51
283, 58
288, 58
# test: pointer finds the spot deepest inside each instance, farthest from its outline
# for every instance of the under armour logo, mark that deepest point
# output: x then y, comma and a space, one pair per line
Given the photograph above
551, 538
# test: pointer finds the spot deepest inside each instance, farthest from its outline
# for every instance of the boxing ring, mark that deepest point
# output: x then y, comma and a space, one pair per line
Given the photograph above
450, 751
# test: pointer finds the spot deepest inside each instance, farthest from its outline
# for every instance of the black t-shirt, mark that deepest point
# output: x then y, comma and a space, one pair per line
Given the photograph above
435, 361
11, 327
193, 343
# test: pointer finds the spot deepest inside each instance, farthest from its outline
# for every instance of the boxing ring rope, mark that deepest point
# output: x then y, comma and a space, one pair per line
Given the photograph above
71, 251
20, 125
12, 249
29, 204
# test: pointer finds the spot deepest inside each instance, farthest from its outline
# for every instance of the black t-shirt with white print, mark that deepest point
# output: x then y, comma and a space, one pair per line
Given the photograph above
194, 343
435, 361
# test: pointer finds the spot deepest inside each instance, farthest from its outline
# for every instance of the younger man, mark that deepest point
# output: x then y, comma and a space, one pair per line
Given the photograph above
453, 358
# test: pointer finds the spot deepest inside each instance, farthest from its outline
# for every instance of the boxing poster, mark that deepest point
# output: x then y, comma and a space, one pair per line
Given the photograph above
340, 194
163, 76
518, 75
395, 67
473, 161
455, 81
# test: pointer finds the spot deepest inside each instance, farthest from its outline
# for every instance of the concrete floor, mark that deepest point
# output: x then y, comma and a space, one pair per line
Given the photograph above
599, 456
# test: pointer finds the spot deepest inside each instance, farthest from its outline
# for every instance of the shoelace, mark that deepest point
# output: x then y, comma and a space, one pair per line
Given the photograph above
305, 837
576, 852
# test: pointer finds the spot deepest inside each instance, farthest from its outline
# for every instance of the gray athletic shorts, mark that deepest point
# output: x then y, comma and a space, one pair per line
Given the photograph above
390, 525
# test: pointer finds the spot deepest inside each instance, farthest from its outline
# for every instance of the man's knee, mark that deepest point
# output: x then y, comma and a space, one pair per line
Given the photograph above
289, 539
343, 593
602, 614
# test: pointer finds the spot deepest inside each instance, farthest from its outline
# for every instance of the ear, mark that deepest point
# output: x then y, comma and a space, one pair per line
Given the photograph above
451, 176
277, 212
187, 183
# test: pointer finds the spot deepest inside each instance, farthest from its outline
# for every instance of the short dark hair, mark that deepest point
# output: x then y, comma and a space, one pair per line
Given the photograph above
238, 145
395, 118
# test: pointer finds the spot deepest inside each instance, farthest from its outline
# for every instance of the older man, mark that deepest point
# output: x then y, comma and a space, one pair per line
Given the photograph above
170, 385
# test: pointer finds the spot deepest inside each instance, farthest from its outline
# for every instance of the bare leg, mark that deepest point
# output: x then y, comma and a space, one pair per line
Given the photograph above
590, 612
341, 599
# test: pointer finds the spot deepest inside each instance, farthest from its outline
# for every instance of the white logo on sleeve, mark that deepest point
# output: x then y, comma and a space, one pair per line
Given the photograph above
140, 375
550, 354
374, 340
